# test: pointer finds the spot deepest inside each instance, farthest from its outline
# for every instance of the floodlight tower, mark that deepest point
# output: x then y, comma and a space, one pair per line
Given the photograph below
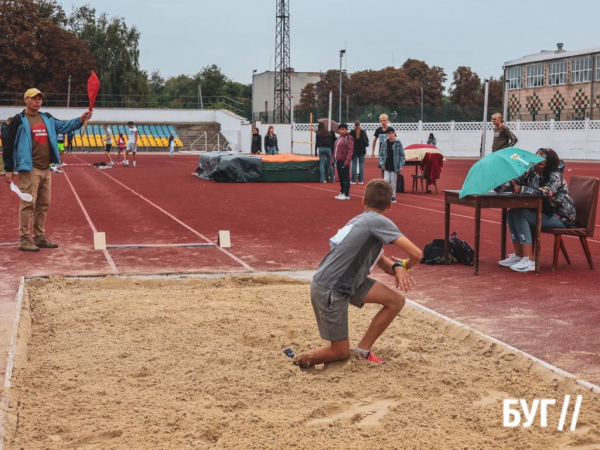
283, 88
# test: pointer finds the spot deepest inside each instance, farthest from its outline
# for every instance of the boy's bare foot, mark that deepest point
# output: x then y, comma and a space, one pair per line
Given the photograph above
303, 361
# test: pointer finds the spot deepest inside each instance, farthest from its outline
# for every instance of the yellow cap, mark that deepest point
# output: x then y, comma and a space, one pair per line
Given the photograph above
33, 92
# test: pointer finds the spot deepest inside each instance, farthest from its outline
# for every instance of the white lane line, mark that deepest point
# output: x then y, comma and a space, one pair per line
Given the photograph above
109, 259
200, 235
429, 209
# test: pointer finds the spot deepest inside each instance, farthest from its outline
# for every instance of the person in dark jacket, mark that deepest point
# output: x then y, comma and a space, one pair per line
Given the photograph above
323, 145
256, 142
343, 150
361, 142
545, 178
3, 136
4, 129
70, 142
271, 146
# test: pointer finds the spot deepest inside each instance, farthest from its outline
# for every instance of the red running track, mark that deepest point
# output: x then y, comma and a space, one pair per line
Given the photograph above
275, 226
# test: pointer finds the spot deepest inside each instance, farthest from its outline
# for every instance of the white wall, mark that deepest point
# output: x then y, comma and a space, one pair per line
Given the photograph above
264, 89
571, 140
230, 123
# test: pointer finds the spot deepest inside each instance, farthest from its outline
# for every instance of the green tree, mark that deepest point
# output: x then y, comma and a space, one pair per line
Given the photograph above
37, 52
308, 99
496, 93
116, 48
465, 90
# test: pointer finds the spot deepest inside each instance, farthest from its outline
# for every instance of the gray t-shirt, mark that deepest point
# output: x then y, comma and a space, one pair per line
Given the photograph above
354, 251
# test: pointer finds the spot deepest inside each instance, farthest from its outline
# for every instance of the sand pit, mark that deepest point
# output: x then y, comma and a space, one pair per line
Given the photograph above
194, 364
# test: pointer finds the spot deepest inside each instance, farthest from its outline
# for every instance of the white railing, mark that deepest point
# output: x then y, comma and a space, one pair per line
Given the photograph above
202, 144
571, 139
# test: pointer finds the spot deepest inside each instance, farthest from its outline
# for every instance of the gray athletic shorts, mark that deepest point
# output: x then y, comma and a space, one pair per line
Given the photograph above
131, 148
331, 309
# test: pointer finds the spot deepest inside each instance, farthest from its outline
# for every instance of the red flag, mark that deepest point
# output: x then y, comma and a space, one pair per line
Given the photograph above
93, 88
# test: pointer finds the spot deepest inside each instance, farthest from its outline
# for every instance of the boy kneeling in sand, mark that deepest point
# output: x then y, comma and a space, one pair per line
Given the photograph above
342, 278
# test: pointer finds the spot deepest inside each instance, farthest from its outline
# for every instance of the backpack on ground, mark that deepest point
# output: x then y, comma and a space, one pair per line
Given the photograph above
433, 253
461, 250
400, 184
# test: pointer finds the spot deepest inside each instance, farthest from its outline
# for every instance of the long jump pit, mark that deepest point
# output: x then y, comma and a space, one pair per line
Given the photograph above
199, 363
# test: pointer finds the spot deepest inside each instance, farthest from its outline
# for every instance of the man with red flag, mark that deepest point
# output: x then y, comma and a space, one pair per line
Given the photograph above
31, 146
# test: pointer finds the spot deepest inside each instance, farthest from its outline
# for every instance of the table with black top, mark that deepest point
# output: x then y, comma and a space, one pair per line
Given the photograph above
494, 200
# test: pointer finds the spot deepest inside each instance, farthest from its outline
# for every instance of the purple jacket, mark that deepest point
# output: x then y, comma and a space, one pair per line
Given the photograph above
344, 149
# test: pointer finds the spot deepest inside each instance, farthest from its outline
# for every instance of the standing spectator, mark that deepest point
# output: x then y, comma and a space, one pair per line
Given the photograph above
391, 159
60, 138
344, 148
256, 142
108, 141
431, 140
3, 136
323, 145
4, 130
171, 145
70, 140
380, 133
121, 144
271, 146
131, 144
361, 142
503, 137
31, 144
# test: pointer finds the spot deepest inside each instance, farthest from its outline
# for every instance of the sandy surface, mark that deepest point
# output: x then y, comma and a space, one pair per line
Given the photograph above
194, 364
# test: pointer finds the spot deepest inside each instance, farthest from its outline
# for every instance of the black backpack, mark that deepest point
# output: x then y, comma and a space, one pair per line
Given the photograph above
400, 184
460, 251
433, 253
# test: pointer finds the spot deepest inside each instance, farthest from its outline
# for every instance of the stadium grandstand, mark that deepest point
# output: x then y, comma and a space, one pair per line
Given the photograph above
151, 136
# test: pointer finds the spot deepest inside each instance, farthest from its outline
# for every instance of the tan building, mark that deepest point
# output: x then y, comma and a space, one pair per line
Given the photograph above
559, 84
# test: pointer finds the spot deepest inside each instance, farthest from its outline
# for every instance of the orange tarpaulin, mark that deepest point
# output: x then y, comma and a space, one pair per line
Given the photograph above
287, 158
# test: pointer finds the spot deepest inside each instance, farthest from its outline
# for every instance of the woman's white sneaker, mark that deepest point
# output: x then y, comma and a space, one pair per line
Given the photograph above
525, 265
511, 260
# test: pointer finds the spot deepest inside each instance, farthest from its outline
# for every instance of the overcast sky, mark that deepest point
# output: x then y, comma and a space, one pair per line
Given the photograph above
182, 36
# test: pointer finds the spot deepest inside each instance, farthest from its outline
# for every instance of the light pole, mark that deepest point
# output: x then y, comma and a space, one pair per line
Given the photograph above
252, 107
69, 93
341, 57
485, 112
200, 104
421, 104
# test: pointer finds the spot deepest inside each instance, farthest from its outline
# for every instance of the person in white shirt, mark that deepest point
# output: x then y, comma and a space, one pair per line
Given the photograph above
131, 144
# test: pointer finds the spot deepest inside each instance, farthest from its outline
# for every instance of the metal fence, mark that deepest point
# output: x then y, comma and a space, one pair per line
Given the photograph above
239, 107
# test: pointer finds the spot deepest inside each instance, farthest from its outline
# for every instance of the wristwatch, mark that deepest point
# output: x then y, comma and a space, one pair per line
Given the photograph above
398, 264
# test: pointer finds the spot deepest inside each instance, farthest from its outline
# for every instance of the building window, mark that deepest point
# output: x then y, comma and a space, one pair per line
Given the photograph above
557, 73
515, 78
535, 75
581, 70
598, 67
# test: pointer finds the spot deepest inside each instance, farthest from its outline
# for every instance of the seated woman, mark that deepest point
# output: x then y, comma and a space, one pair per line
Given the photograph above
558, 211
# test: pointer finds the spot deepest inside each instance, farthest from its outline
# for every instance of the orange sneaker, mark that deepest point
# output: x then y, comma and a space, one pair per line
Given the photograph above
374, 359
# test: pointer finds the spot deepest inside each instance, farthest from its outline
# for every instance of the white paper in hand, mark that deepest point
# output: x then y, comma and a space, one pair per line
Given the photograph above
22, 195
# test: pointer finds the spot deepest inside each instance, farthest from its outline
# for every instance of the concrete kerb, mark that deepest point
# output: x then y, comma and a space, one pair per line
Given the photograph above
301, 275
11, 361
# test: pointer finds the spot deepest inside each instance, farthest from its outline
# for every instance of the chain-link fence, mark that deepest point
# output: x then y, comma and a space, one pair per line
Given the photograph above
242, 107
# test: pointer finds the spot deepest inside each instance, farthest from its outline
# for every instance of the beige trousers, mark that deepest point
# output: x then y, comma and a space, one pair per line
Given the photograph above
37, 183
